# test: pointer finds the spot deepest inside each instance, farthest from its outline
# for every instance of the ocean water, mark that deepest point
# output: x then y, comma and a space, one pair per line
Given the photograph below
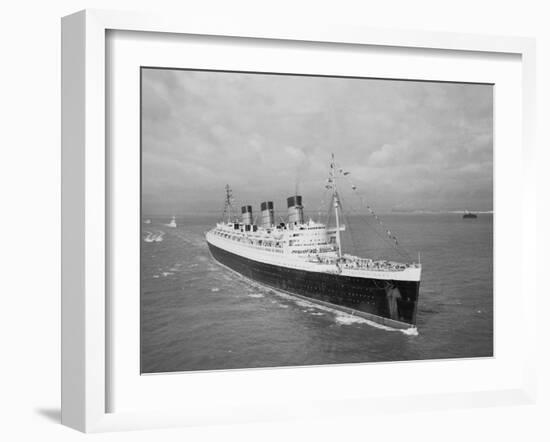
196, 315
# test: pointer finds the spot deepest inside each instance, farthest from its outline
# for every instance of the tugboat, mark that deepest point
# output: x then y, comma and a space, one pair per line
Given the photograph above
305, 259
469, 215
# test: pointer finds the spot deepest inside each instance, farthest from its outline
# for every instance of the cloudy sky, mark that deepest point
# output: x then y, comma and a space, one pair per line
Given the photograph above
408, 145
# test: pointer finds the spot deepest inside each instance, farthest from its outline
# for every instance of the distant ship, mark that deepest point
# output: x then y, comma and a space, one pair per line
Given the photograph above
172, 222
468, 214
305, 259
147, 221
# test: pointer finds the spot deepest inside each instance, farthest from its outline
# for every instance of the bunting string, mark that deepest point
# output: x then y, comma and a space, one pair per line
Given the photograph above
389, 235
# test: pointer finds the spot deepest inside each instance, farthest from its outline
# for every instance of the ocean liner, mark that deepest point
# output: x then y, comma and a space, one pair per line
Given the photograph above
305, 259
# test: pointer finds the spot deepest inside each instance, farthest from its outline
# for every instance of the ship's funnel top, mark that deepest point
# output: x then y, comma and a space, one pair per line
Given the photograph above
267, 205
246, 214
268, 215
295, 210
295, 200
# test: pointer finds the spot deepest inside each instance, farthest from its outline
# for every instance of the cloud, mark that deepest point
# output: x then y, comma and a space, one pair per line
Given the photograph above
427, 143
390, 155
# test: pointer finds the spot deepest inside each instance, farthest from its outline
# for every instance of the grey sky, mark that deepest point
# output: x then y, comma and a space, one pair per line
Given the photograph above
408, 145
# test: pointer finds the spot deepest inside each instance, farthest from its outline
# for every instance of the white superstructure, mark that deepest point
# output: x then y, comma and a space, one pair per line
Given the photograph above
309, 246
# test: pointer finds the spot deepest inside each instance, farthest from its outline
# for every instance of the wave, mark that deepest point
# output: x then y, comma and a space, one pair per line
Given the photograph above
411, 331
349, 319
154, 236
194, 240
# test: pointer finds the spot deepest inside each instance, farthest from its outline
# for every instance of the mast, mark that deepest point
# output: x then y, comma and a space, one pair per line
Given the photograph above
336, 204
228, 197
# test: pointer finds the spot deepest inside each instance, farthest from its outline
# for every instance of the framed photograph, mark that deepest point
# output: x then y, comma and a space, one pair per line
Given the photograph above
252, 211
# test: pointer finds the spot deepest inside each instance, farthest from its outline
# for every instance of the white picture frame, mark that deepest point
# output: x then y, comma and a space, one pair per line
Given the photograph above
85, 198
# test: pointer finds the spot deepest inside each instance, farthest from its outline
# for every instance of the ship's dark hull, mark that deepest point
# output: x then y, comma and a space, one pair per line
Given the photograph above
375, 299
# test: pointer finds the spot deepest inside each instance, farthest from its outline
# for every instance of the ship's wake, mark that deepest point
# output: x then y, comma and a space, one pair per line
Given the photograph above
191, 239
153, 236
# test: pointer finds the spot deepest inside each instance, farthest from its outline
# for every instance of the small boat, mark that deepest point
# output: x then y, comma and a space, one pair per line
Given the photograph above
172, 222
469, 215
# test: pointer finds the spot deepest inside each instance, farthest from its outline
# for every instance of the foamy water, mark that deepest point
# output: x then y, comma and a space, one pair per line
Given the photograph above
153, 236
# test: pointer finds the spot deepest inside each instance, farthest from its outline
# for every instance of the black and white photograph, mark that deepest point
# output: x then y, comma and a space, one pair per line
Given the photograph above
261, 222
303, 220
